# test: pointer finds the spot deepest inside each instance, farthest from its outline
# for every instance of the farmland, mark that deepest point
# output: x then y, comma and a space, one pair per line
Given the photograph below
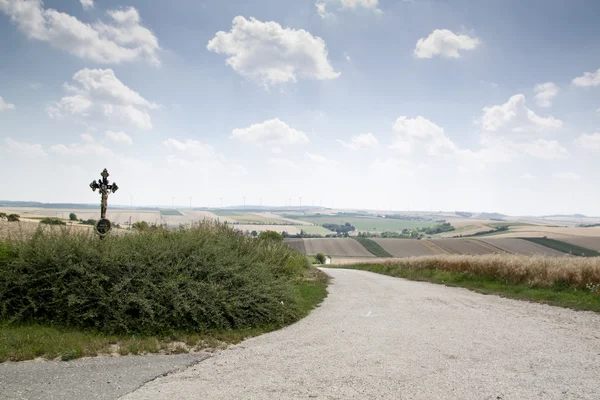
366, 224
345, 247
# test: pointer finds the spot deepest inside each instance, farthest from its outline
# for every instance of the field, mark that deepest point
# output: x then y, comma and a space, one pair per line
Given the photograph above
466, 246
344, 247
524, 247
366, 224
405, 247
251, 218
170, 212
292, 230
587, 242
314, 230
565, 247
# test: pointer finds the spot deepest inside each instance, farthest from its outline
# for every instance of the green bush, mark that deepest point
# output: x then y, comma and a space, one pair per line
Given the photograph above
13, 218
197, 279
52, 221
73, 217
271, 235
320, 258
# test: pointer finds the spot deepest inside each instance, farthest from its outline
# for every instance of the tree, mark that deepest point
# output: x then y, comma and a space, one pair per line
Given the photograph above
321, 258
73, 217
13, 218
271, 235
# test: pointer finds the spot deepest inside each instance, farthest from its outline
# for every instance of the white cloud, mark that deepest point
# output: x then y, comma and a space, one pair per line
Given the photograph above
99, 94
5, 106
363, 141
123, 39
344, 5
320, 160
89, 147
410, 132
545, 92
273, 131
444, 42
545, 150
87, 4
322, 9
589, 141
588, 79
567, 176
513, 117
119, 137
268, 53
195, 155
26, 149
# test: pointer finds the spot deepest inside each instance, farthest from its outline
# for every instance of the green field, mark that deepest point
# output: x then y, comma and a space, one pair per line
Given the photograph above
564, 247
170, 213
373, 247
314, 230
366, 224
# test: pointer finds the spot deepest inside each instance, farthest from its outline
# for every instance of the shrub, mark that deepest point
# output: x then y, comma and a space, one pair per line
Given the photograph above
320, 258
2, 215
53, 221
205, 277
271, 235
13, 217
73, 217
91, 222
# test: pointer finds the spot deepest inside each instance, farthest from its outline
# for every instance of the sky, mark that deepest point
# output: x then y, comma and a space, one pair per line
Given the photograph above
452, 105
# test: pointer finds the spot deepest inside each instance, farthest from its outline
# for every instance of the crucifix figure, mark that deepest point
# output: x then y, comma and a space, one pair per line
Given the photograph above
103, 226
104, 188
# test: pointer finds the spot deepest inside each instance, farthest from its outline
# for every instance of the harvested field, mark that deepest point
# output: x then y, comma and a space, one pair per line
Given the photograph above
519, 246
296, 244
292, 230
315, 230
466, 246
283, 219
405, 247
359, 260
343, 247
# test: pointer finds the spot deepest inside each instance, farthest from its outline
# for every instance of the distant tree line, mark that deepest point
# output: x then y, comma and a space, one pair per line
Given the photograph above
417, 233
499, 229
346, 228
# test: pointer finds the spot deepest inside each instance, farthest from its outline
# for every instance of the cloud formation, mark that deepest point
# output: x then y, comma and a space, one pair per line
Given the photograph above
545, 93
270, 54
363, 141
23, 148
5, 106
122, 39
588, 79
273, 131
99, 95
445, 43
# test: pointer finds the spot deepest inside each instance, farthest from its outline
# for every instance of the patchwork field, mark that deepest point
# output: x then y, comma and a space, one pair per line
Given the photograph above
343, 247
587, 242
467, 246
519, 246
365, 224
292, 230
405, 247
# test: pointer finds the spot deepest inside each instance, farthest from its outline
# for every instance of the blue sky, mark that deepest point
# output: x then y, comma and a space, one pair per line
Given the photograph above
448, 105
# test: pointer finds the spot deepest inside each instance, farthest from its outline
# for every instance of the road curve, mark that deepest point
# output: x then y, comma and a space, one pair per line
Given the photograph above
377, 337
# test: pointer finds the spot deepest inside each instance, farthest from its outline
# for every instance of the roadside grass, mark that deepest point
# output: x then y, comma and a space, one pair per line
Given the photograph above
27, 341
564, 247
558, 282
373, 247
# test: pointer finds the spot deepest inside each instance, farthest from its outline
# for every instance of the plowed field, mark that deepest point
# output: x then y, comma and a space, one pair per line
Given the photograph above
405, 247
344, 247
519, 246
466, 246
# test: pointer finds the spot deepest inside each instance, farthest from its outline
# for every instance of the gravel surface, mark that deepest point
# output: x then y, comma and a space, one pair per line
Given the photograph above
89, 378
378, 337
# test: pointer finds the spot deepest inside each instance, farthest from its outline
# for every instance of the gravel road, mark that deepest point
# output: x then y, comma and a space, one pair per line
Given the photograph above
87, 378
377, 337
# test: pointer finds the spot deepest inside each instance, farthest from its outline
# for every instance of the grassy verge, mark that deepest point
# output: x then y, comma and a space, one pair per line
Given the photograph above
564, 247
26, 341
535, 279
373, 247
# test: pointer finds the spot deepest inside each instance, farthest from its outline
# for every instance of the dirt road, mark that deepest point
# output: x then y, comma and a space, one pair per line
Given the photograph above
377, 337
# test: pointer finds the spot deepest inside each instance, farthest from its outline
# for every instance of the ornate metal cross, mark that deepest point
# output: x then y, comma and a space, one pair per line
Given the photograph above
103, 226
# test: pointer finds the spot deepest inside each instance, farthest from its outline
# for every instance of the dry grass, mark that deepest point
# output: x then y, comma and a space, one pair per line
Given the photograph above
534, 271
